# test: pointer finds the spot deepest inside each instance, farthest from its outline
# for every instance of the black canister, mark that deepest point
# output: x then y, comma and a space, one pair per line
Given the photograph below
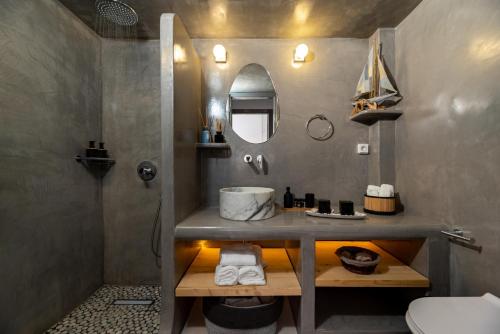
309, 200
346, 208
324, 206
219, 137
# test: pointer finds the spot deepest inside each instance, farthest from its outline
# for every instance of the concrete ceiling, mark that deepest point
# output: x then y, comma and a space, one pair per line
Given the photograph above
257, 18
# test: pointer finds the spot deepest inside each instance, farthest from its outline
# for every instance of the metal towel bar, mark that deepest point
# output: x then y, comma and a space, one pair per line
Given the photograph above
457, 233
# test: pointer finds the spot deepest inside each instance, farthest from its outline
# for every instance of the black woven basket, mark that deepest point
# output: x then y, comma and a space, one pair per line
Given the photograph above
235, 317
347, 255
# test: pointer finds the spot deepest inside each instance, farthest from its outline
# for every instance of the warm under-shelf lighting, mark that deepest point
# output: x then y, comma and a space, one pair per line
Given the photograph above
220, 53
300, 53
179, 54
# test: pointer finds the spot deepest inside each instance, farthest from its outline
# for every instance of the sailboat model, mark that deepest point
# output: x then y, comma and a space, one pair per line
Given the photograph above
376, 89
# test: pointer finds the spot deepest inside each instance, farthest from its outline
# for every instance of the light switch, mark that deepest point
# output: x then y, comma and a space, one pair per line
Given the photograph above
363, 149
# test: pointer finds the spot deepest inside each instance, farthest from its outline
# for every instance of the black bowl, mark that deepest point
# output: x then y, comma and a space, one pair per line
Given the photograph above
350, 258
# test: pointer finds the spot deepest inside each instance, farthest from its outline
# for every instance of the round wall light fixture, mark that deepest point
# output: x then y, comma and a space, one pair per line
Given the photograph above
300, 53
220, 53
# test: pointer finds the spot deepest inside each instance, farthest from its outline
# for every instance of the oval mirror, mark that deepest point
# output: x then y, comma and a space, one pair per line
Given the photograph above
253, 105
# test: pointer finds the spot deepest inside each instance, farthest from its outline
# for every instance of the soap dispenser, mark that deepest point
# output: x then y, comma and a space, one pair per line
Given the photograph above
102, 152
288, 199
92, 151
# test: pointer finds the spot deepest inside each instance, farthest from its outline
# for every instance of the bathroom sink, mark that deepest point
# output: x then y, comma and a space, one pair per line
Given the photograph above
246, 203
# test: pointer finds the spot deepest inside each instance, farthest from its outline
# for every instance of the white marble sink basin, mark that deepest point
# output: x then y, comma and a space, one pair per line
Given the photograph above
246, 203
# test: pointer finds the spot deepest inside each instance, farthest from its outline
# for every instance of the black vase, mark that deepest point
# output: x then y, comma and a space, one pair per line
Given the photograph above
219, 137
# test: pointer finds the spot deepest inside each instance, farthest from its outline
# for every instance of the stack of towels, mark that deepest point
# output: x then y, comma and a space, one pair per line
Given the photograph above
240, 264
385, 190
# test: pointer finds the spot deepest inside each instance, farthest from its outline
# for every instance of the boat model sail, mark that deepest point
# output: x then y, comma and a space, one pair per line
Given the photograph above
376, 88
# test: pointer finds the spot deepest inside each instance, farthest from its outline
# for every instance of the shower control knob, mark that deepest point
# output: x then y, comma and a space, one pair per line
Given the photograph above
146, 170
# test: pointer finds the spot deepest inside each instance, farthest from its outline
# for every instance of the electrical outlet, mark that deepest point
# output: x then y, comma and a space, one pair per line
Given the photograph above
363, 149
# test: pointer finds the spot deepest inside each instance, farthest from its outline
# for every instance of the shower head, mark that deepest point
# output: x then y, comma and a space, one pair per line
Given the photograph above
117, 12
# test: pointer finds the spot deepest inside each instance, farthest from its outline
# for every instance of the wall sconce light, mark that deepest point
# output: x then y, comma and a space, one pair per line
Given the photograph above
220, 53
300, 53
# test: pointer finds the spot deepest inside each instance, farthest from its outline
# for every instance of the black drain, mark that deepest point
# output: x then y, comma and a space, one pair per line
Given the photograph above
143, 302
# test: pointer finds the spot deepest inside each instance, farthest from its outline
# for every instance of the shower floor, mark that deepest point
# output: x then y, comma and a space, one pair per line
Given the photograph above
98, 314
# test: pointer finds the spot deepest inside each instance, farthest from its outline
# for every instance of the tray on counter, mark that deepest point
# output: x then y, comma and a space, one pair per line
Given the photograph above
357, 215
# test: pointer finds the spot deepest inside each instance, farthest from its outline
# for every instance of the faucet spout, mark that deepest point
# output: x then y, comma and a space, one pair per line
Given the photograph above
260, 161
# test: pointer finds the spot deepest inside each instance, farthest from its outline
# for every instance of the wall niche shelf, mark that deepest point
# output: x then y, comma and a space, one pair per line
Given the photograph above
369, 117
390, 272
98, 166
210, 146
198, 281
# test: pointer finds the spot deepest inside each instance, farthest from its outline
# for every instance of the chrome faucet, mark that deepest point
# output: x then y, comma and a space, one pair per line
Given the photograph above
260, 161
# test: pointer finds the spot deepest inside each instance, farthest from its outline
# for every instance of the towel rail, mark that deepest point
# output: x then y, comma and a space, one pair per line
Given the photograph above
457, 233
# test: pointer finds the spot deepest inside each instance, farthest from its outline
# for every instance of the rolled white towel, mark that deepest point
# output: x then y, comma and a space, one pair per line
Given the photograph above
252, 275
373, 191
240, 255
226, 275
386, 190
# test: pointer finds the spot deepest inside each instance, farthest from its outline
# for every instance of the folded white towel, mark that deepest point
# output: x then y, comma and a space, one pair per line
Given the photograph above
226, 275
252, 275
373, 191
240, 255
386, 190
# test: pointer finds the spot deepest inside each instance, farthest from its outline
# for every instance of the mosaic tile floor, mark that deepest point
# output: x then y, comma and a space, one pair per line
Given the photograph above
98, 315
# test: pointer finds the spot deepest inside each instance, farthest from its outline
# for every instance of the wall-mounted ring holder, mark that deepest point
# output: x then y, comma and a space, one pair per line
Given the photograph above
328, 133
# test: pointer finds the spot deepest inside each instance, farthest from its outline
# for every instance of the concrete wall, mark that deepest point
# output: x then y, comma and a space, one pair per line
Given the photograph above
180, 182
330, 169
187, 103
131, 130
51, 234
448, 140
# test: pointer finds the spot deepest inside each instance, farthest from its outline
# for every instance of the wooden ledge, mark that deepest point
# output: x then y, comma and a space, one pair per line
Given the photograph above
199, 278
390, 272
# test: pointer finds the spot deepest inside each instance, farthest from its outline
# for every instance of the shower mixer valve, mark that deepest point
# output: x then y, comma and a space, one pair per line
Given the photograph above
146, 170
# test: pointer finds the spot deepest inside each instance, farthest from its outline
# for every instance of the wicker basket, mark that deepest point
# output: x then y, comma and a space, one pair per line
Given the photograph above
215, 329
225, 319
380, 205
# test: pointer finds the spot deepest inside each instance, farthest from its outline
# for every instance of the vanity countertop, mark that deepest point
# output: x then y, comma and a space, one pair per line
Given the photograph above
206, 224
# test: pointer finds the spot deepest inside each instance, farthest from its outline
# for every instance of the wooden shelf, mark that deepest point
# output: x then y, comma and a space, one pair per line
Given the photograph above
369, 117
220, 146
390, 272
198, 281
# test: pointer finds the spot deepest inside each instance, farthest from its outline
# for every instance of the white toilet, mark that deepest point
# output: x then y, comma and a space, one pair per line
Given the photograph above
457, 315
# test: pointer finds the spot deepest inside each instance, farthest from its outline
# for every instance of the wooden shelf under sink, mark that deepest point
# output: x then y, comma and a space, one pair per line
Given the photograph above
198, 281
390, 272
